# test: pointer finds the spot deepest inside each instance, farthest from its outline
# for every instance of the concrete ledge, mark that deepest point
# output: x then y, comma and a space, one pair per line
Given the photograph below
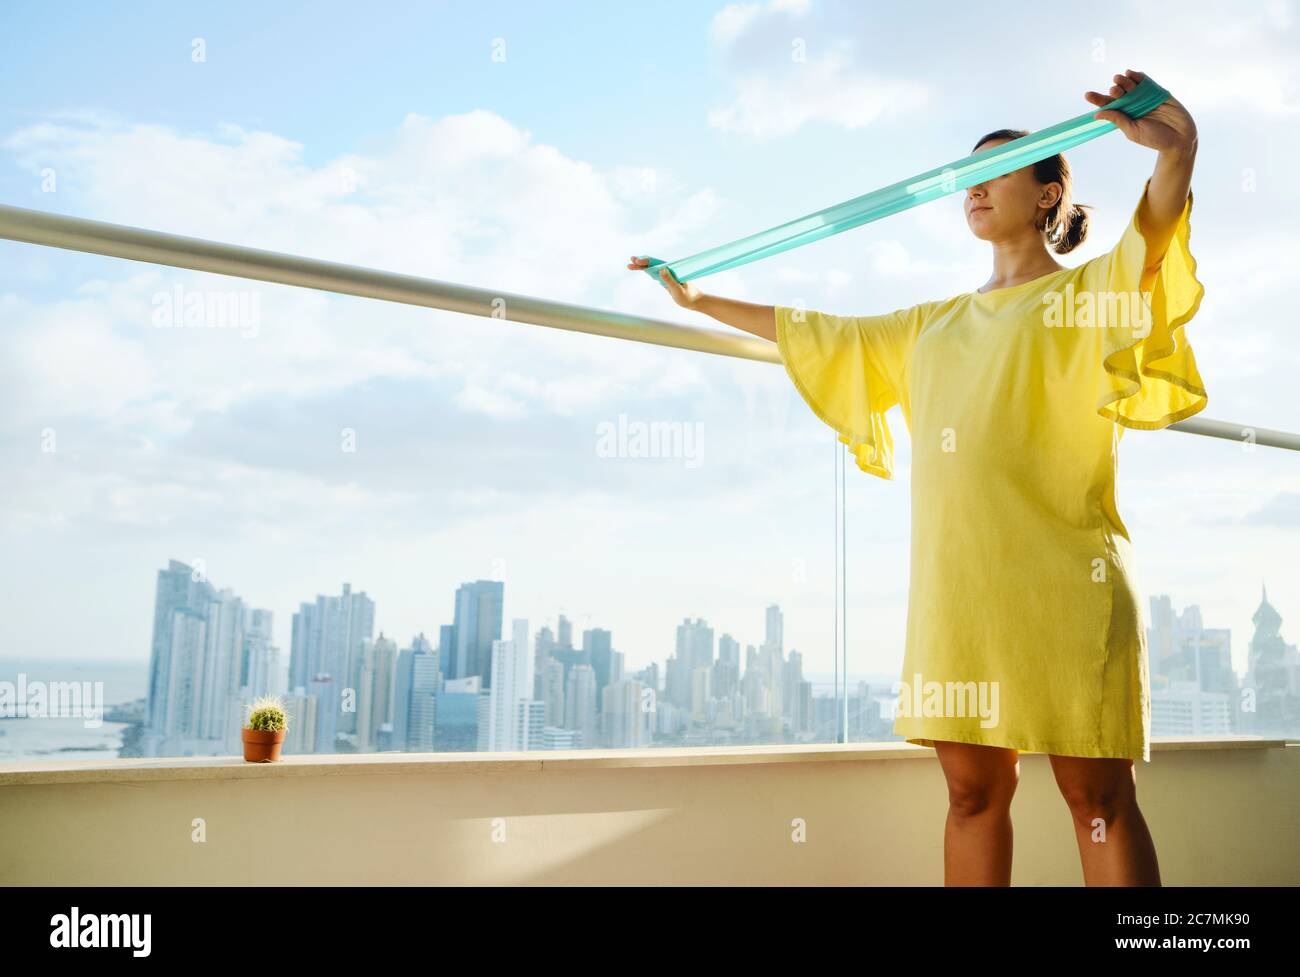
1223, 812
140, 770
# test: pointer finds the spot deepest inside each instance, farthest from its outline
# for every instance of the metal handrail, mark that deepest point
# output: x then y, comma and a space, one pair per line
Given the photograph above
198, 254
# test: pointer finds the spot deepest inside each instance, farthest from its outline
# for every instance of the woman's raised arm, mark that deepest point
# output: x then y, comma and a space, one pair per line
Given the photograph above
758, 320
1170, 131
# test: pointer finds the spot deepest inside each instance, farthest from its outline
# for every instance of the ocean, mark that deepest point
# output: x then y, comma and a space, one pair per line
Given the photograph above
68, 738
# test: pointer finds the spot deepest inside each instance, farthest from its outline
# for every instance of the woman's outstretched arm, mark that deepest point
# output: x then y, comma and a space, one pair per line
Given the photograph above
760, 320
1170, 131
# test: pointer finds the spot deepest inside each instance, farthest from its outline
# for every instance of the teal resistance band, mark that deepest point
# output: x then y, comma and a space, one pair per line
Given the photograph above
909, 193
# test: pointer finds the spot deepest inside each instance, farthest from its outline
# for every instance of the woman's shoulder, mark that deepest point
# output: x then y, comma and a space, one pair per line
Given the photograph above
938, 308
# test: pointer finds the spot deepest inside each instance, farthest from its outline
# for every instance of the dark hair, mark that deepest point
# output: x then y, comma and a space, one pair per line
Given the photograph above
1066, 225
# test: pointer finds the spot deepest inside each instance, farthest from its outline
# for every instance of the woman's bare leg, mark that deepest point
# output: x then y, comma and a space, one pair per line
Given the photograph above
977, 836
1115, 845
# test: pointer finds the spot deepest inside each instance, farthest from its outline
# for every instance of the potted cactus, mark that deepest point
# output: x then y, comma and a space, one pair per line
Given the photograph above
265, 730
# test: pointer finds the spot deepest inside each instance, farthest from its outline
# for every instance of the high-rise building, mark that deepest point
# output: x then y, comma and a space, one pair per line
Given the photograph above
1181, 649
598, 646
300, 732
543, 648
1193, 686
222, 663
772, 654
459, 706
694, 650
1272, 677
532, 721
625, 723
324, 689
580, 711
775, 628
701, 696
180, 696
796, 695
199, 663
181, 590
1183, 708
479, 609
261, 670
552, 687
415, 686
557, 738
511, 721
327, 640
415, 711
375, 695
729, 651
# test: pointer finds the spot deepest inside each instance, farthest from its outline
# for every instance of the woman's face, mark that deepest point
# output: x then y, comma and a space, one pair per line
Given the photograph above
1008, 205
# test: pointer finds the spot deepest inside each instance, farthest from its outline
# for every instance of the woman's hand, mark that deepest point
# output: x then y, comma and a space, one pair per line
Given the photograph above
684, 294
1167, 128
1170, 131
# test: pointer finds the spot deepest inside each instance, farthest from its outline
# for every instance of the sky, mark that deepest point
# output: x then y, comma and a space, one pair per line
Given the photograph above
531, 148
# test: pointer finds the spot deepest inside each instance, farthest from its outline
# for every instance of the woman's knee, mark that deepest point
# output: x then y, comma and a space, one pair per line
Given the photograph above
980, 779
1095, 789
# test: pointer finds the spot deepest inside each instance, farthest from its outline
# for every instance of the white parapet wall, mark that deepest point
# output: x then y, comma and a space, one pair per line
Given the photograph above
1222, 812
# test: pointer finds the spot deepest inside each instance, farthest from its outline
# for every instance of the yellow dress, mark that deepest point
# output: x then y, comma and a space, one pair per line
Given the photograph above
1023, 621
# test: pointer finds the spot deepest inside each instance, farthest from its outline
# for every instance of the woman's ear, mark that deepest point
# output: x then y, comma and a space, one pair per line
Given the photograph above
1050, 194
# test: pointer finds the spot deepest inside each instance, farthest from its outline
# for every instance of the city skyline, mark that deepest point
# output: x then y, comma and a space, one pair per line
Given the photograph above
526, 689
356, 692
577, 685
282, 636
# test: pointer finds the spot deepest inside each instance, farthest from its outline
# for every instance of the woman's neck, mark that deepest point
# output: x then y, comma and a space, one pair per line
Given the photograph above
1016, 262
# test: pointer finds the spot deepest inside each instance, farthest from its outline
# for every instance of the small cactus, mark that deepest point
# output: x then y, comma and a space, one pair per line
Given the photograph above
267, 713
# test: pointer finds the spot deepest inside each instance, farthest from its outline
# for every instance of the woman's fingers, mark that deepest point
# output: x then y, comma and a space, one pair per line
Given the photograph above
1128, 81
1121, 121
1124, 84
675, 288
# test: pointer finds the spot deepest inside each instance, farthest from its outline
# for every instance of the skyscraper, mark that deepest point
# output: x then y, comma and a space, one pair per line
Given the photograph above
198, 663
261, 669
223, 651
1273, 675
599, 647
510, 718
415, 687
375, 691
180, 590
694, 650
479, 608
460, 708
552, 689
327, 640
624, 722
580, 712
775, 628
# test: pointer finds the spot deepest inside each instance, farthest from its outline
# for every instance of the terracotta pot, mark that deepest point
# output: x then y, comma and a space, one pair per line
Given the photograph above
262, 745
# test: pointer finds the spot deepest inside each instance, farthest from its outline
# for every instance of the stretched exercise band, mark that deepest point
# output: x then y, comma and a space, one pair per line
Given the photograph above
905, 194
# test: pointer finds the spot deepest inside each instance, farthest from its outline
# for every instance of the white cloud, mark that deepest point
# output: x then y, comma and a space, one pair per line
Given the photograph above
826, 88
819, 78
468, 198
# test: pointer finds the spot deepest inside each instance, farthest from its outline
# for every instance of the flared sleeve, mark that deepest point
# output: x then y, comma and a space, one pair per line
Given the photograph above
1149, 377
850, 370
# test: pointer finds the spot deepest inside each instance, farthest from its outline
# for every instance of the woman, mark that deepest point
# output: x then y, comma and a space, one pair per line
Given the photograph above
1023, 628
